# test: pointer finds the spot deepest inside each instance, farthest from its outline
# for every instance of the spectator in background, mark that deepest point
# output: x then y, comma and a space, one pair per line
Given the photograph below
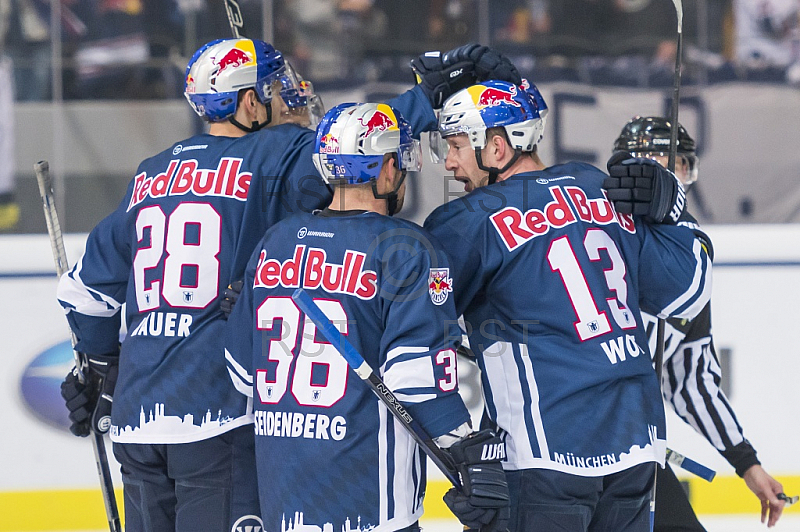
768, 35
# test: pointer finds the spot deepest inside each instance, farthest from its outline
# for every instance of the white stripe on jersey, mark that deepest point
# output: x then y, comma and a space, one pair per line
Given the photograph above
383, 459
413, 373
700, 295
84, 300
242, 380
509, 401
536, 413
404, 487
405, 461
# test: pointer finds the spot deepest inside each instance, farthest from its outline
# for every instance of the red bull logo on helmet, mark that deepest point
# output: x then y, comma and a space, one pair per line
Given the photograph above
328, 144
190, 88
484, 96
439, 285
382, 119
242, 53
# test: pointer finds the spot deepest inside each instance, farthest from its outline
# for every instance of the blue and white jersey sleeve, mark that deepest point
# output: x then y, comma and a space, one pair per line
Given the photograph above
415, 107
420, 361
93, 296
239, 333
675, 271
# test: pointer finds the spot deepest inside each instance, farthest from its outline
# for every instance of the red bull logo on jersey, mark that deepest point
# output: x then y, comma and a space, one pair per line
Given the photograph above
184, 177
381, 120
328, 144
484, 96
312, 271
570, 205
439, 285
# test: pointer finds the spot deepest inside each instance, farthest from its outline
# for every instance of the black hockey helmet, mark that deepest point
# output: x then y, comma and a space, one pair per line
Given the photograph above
651, 135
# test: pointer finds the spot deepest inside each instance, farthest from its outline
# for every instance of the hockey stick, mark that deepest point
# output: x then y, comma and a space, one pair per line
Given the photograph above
235, 18
42, 169
379, 388
690, 465
673, 151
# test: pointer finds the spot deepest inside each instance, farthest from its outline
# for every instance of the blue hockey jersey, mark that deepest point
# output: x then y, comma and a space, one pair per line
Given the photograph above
185, 229
330, 453
550, 280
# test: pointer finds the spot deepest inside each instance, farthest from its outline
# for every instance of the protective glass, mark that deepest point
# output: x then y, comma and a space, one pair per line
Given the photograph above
410, 156
686, 166
438, 147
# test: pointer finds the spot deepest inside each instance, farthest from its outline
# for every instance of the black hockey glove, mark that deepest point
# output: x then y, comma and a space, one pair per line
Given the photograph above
439, 79
643, 187
484, 502
489, 63
89, 402
229, 297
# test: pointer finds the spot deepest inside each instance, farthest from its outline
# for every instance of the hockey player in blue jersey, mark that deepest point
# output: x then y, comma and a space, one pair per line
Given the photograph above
692, 373
334, 457
185, 230
550, 281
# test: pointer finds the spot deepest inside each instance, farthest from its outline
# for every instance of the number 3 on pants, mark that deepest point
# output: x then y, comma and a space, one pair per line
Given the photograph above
320, 372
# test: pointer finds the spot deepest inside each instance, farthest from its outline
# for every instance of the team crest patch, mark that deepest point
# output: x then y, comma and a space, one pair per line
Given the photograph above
439, 285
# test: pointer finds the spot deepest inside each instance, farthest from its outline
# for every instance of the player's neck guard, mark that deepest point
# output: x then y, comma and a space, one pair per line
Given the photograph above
495, 172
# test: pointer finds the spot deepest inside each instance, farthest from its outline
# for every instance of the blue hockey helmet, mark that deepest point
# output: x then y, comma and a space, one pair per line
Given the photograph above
519, 109
220, 69
353, 138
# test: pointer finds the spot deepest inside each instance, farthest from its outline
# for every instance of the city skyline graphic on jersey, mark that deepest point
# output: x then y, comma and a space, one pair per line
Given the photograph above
159, 423
299, 525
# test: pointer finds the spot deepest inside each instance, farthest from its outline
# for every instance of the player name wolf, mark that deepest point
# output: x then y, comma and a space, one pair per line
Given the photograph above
299, 425
184, 177
313, 271
516, 228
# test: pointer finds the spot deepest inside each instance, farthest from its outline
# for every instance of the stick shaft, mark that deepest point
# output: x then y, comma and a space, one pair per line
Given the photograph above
658, 359
235, 18
42, 170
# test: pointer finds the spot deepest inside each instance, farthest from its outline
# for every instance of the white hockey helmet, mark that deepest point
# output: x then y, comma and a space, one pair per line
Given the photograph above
519, 109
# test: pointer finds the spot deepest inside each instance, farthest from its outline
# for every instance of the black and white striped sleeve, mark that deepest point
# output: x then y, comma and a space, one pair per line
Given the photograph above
691, 383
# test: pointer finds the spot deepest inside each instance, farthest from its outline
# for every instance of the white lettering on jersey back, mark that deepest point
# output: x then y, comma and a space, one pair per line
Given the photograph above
316, 272
516, 228
299, 425
616, 348
166, 324
184, 177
